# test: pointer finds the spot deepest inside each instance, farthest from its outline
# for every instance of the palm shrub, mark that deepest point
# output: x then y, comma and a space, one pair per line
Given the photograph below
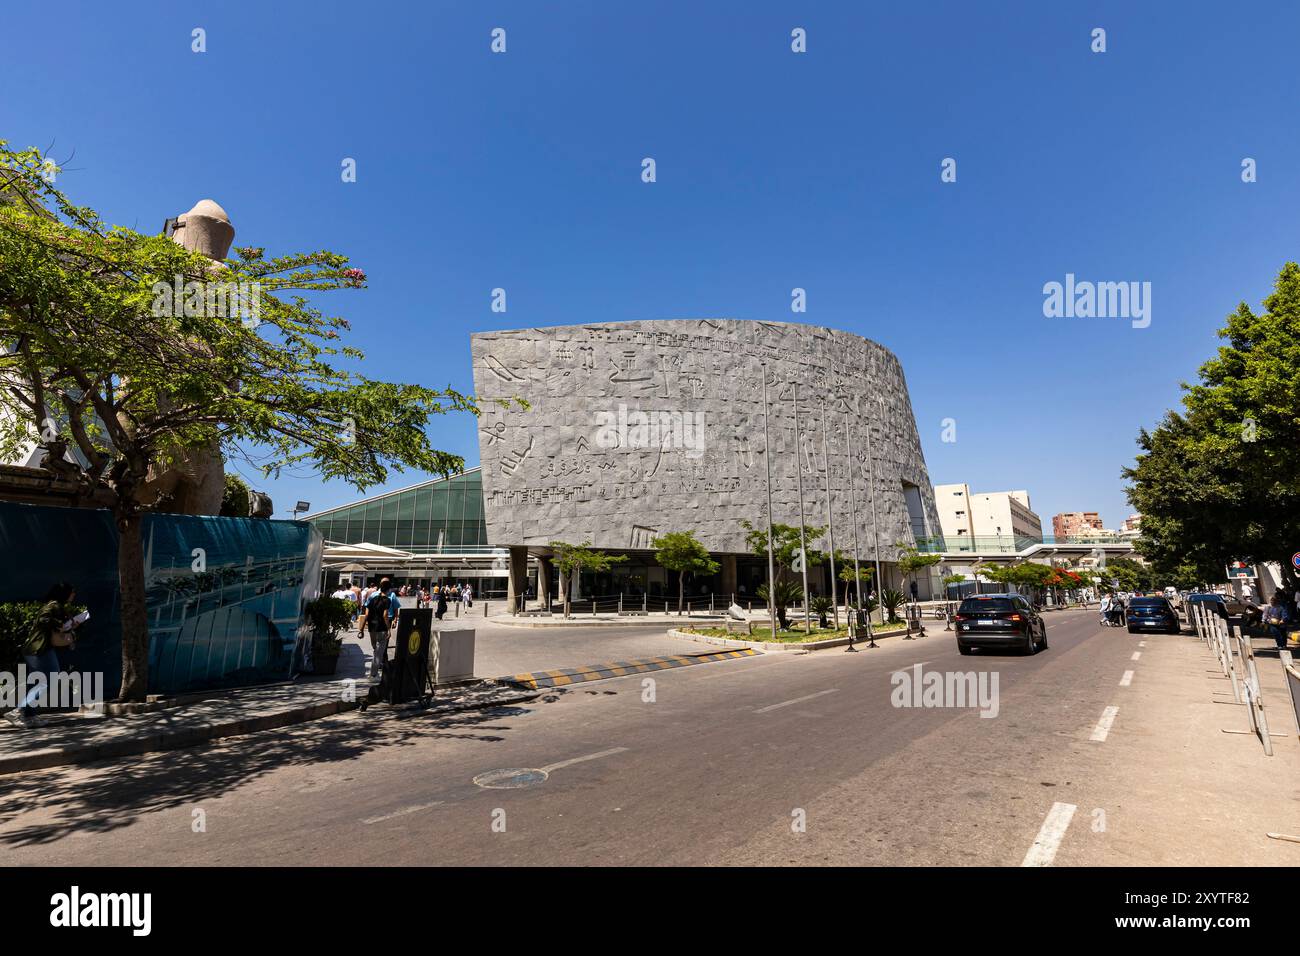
786, 593
821, 606
891, 599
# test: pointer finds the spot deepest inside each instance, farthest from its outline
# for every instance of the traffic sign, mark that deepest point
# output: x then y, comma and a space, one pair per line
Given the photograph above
1295, 559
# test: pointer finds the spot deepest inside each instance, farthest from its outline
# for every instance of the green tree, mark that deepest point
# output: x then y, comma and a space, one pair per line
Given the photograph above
1132, 575
785, 544
1221, 480
94, 362
576, 558
865, 574
680, 551
912, 560
235, 498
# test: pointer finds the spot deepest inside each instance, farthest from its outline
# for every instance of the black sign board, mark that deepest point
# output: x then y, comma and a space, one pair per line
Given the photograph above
407, 675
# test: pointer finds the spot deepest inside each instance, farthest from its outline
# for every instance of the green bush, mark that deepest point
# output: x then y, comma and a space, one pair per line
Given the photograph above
16, 621
327, 617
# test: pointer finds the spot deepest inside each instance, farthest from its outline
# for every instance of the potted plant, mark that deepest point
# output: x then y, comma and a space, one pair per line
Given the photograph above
327, 618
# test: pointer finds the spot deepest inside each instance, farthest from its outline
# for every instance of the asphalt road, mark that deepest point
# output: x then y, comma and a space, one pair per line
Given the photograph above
779, 759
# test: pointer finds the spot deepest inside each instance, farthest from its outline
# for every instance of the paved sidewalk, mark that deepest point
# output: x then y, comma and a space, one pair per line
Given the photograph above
78, 738
1171, 770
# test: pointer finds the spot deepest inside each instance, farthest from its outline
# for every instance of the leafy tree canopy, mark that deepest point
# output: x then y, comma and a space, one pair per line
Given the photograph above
1220, 480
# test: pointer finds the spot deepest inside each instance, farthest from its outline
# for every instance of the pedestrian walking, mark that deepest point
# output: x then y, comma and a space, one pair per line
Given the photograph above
442, 604
377, 619
1275, 619
55, 627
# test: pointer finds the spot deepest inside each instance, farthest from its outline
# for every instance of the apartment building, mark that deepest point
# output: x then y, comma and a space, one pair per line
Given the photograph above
985, 514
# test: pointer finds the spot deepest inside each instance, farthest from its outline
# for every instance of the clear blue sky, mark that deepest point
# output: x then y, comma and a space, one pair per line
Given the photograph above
775, 170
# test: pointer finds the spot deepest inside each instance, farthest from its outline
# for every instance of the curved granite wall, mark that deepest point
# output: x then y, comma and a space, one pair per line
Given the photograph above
637, 428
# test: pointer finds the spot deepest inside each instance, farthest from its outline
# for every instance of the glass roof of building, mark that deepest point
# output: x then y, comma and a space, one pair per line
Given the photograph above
440, 515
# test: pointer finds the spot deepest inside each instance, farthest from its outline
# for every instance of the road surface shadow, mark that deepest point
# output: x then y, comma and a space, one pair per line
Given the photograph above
108, 795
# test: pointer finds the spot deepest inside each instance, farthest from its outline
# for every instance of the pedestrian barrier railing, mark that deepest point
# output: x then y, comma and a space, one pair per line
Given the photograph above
1254, 698
1234, 652
1292, 675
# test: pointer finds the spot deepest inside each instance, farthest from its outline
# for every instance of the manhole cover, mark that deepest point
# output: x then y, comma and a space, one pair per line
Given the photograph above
512, 778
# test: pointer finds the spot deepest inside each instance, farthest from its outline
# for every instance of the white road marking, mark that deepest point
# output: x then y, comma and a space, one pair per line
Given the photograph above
1142, 643
908, 669
797, 700
733, 670
1103, 726
1126, 679
551, 768
1137, 656
1050, 835
403, 812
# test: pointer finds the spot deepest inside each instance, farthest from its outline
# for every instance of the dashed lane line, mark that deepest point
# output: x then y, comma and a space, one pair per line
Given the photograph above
1102, 730
1050, 835
797, 700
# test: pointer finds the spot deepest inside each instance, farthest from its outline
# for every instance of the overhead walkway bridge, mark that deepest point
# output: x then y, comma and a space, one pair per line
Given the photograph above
1009, 550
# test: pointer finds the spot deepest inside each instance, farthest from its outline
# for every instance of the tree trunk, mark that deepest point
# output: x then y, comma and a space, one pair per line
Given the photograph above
135, 619
681, 590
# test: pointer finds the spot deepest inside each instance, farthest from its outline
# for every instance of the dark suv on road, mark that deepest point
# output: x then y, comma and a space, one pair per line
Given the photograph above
1152, 614
999, 621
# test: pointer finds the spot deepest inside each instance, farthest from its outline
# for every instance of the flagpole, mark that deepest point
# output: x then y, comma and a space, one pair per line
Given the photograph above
853, 507
875, 523
830, 517
771, 561
798, 473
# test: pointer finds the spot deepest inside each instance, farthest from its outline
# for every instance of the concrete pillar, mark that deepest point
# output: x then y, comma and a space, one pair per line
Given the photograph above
518, 577
728, 563
544, 581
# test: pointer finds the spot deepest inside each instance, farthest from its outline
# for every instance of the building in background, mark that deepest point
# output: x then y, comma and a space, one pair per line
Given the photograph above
436, 527
634, 429
985, 515
1071, 524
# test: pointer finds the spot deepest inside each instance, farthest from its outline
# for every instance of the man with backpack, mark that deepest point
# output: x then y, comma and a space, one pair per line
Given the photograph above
377, 619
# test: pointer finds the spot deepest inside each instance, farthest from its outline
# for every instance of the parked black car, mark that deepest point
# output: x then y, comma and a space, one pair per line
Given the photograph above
1213, 602
999, 621
1152, 614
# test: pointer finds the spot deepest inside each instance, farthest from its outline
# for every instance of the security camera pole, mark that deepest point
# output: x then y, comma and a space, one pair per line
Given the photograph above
771, 561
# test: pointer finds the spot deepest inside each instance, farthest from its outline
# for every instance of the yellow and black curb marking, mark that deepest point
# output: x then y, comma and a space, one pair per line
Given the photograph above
576, 675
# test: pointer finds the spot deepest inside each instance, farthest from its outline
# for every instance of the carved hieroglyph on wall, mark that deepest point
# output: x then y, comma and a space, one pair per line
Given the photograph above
659, 425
